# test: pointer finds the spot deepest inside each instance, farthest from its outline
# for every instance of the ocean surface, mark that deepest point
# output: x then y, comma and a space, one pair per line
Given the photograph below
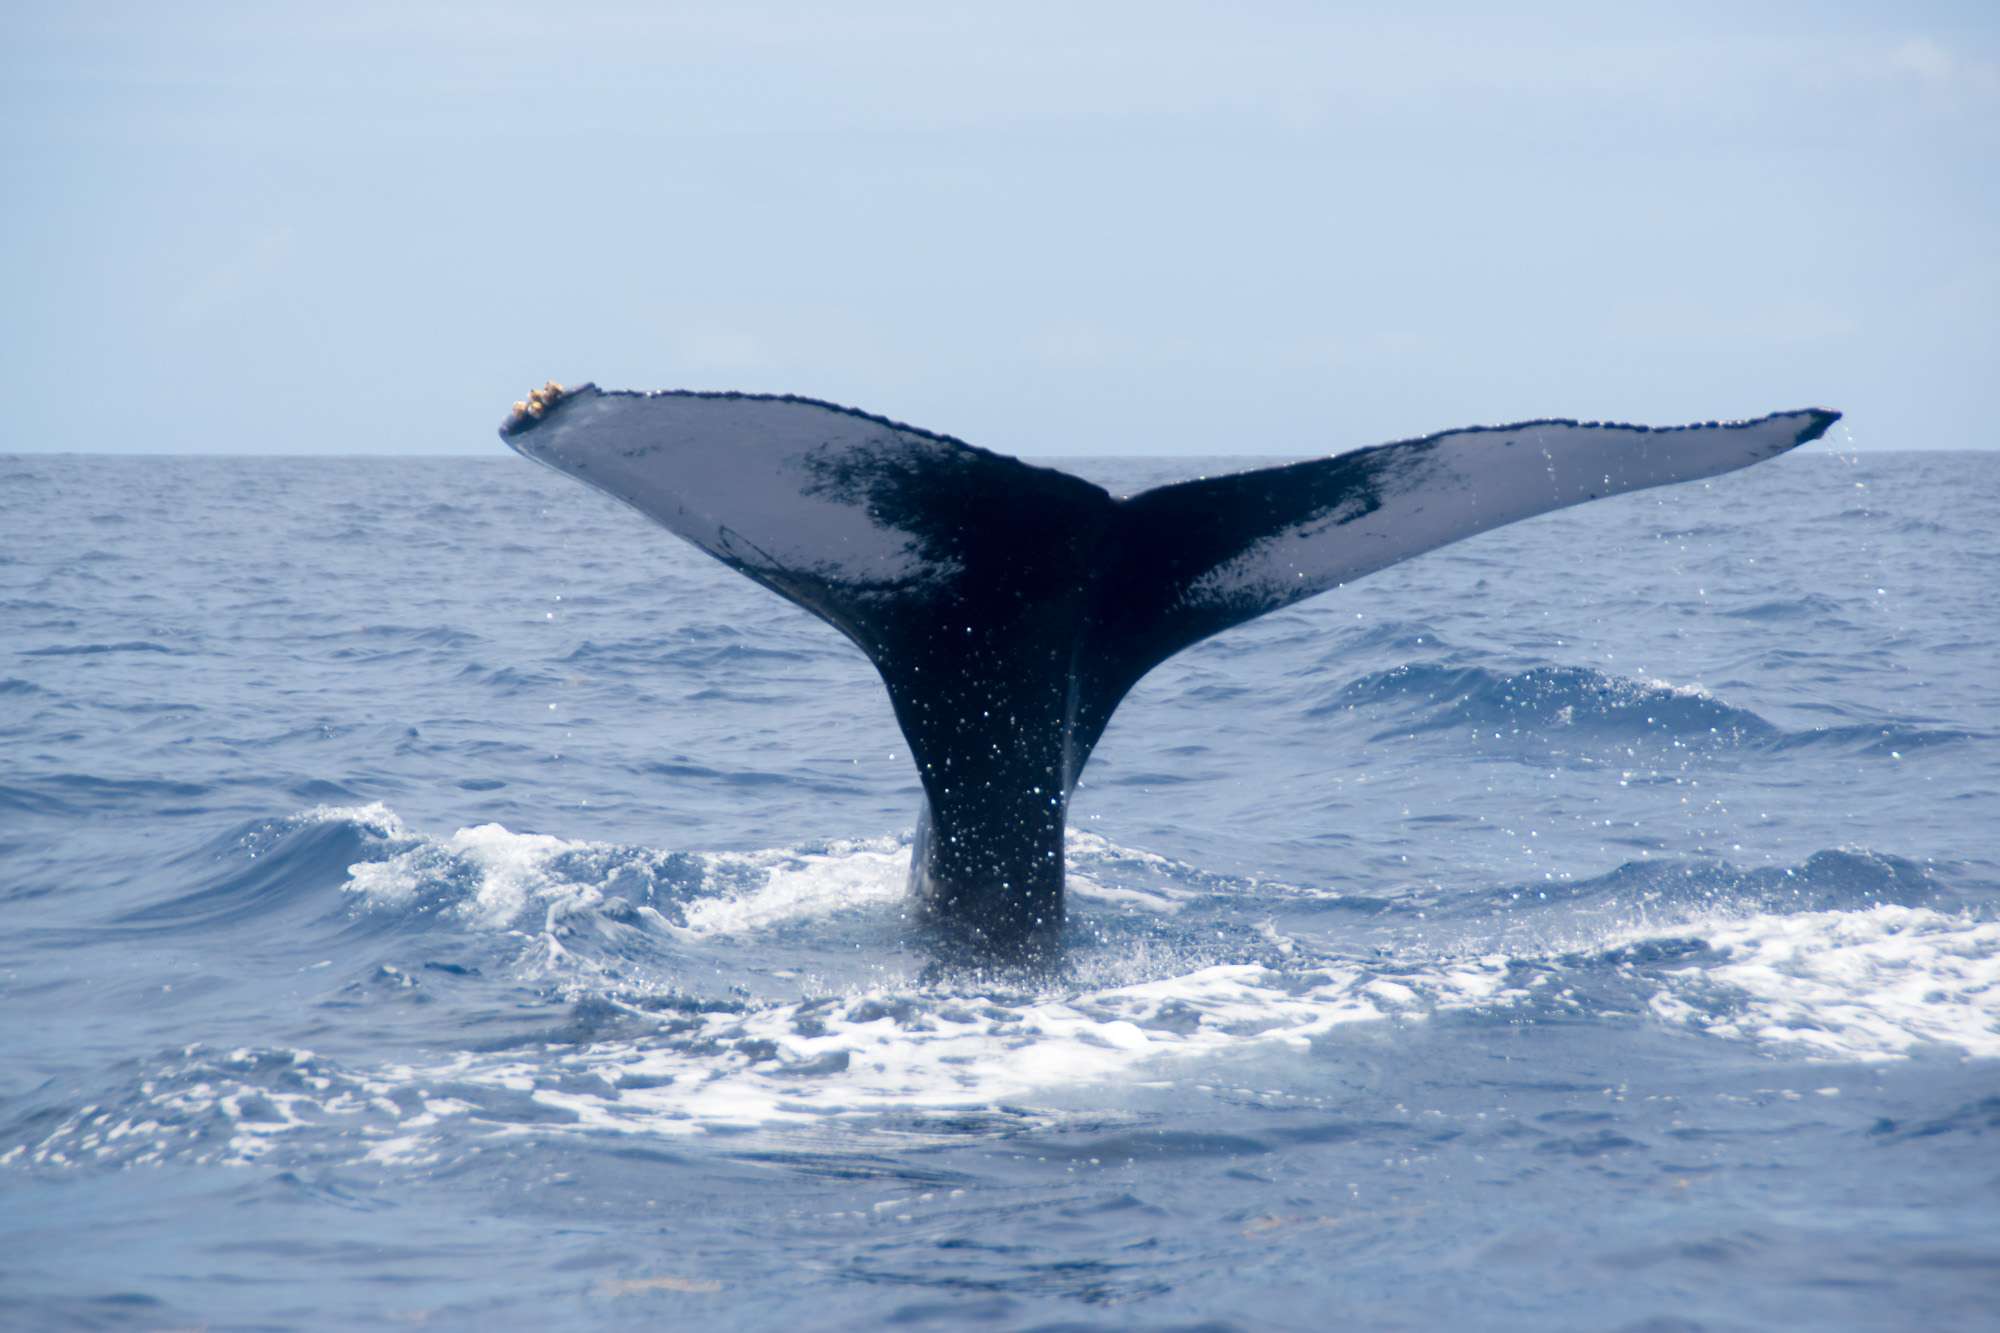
431, 896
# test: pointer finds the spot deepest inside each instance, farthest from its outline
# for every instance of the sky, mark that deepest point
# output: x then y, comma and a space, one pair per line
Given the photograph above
1050, 229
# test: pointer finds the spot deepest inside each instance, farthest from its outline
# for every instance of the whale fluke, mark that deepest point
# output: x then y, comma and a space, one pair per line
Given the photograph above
1009, 607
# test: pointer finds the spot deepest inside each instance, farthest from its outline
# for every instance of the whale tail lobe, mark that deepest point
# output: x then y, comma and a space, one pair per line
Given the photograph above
1009, 607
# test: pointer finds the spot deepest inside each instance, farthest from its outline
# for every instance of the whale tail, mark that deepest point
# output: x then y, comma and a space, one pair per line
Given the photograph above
1009, 607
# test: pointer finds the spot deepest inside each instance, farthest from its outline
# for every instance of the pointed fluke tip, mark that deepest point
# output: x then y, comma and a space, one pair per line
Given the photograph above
1818, 419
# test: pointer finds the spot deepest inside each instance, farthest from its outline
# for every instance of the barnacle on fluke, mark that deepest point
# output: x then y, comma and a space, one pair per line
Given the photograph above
538, 401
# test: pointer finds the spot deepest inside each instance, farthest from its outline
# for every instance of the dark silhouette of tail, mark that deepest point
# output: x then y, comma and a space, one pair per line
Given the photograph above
1010, 607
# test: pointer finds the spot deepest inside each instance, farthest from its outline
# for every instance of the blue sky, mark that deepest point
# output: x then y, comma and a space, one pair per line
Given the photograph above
1049, 229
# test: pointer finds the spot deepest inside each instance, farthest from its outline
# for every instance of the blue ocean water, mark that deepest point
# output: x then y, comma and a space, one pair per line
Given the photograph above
433, 896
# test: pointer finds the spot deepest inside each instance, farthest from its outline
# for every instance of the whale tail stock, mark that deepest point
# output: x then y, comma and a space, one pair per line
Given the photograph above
1009, 607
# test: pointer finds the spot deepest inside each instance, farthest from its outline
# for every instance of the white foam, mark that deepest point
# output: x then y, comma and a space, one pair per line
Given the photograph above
1081, 842
496, 877
802, 885
1862, 985
376, 817
877, 1051
509, 871
1151, 899
815, 1062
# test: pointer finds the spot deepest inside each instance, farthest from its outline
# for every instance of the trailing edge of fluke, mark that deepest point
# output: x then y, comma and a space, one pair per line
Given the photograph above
1010, 607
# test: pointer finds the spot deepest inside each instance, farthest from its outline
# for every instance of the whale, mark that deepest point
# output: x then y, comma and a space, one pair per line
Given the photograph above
1009, 607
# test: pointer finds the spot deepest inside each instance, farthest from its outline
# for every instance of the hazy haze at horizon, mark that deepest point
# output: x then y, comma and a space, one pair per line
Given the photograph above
1154, 230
